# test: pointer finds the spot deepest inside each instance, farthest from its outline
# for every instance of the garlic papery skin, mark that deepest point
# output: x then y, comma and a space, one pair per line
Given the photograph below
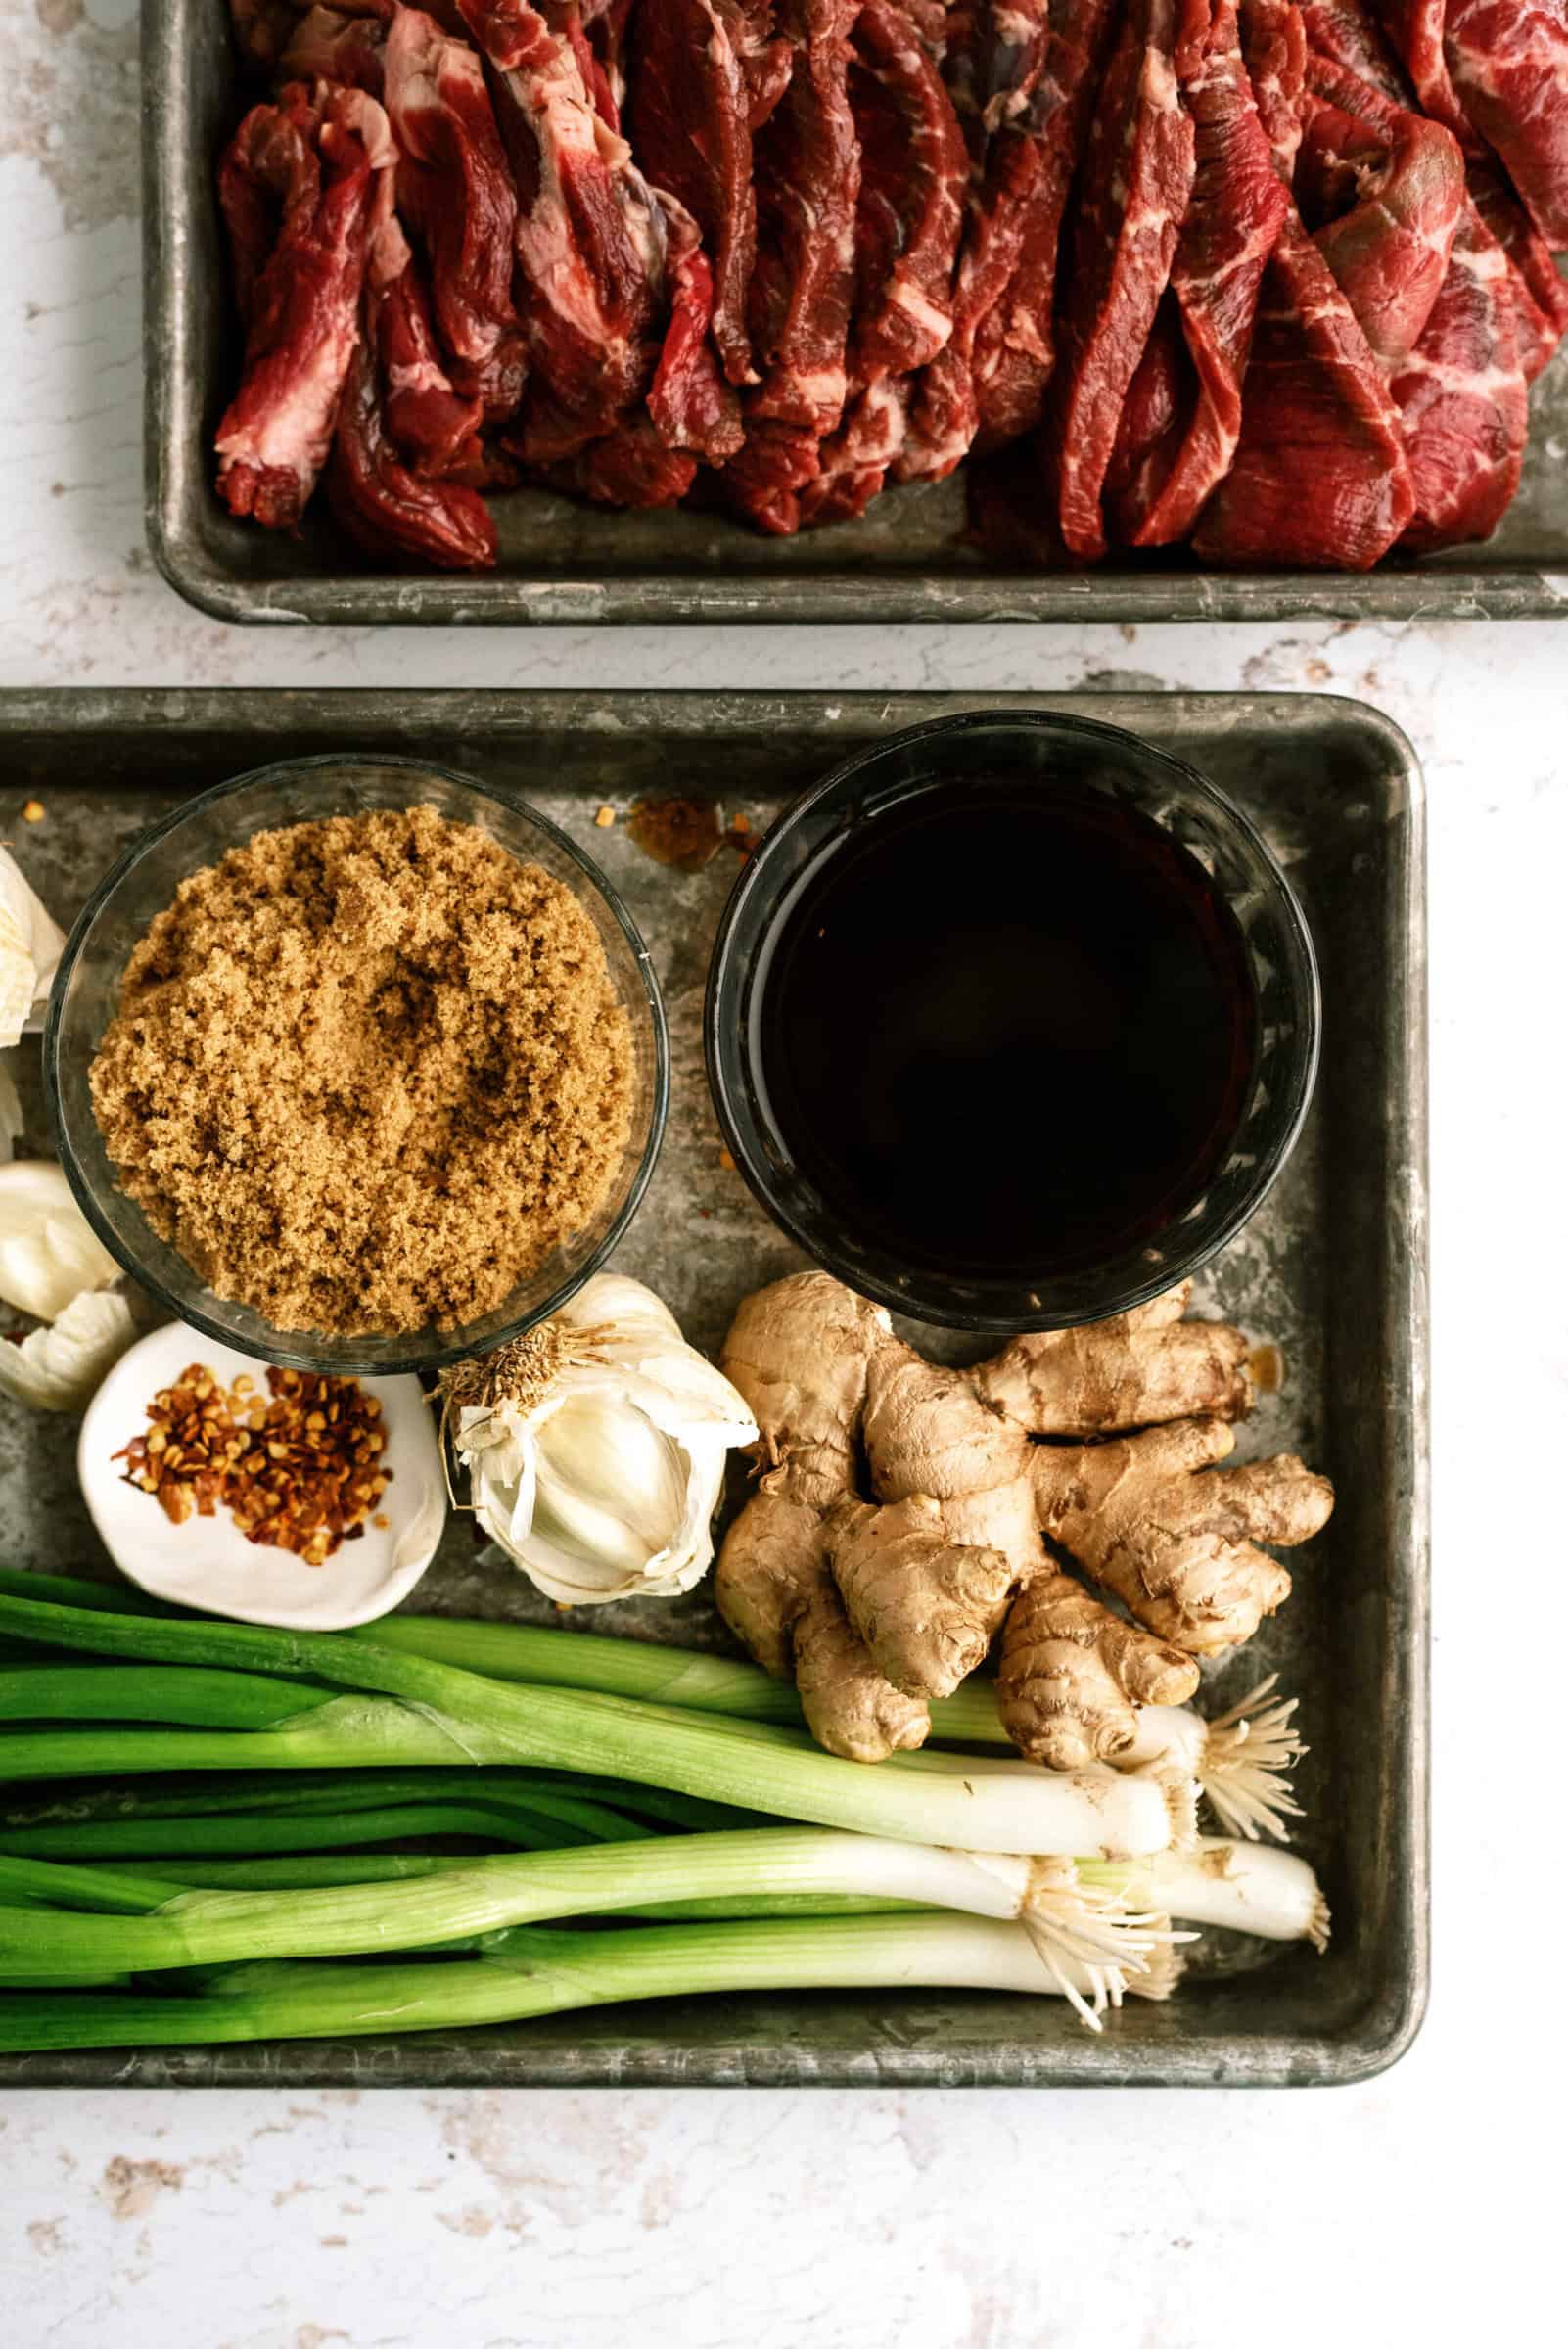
30, 948
48, 1251
595, 1446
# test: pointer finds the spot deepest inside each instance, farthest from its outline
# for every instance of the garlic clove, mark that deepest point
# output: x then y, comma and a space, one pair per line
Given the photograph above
30, 948
48, 1251
60, 1369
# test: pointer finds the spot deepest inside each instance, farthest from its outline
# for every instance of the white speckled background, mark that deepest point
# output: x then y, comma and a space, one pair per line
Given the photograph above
1422, 2206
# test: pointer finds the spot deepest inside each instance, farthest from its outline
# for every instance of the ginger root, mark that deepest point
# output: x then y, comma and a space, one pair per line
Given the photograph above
1175, 1545
798, 1352
1073, 1674
875, 1604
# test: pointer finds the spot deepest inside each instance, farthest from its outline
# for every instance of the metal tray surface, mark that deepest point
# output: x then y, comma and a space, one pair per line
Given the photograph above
563, 562
1333, 1270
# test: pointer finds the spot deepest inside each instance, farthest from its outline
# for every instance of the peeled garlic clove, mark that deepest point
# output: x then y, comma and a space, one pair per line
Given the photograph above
60, 1369
30, 948
48, 1252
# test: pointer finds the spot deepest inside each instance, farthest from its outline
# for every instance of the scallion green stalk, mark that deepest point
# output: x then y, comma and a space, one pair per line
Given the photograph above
983, 1806
200, 1699
490, 1894
655, 1674
1074, 1925
550, 1973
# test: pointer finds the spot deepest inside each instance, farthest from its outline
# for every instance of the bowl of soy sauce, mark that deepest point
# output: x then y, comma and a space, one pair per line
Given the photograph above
1012, 1021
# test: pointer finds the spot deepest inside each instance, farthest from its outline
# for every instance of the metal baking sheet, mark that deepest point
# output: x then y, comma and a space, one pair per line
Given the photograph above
1333, 1271
563, 562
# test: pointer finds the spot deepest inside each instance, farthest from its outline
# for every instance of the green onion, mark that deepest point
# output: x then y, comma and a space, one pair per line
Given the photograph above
542, 1829
551, 1973
219, 1700
90, 1888
488, 1895
301, 1871
1249, 1888
308, 1810
1074, 1925
670, 1676
981, 1805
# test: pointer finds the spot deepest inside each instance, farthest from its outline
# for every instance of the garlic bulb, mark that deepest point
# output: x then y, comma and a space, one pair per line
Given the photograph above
48, 1251
60, 1369
595, 1446
31, 946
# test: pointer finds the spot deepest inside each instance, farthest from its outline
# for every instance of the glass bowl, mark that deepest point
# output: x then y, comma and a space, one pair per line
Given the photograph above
86, 997
1026, 747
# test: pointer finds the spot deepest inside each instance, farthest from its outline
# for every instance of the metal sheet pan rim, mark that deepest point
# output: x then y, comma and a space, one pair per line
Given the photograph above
174, 179
1352, 2044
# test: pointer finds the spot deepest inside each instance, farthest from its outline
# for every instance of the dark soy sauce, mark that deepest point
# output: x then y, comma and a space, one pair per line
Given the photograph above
1007, 1030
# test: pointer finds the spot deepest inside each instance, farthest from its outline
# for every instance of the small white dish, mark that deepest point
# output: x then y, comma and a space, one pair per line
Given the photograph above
207, 1562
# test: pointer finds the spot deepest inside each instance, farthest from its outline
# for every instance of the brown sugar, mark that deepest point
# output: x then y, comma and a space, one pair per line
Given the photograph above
368, 1073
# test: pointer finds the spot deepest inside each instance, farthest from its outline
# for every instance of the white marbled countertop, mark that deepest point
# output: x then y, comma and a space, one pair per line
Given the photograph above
1421, 2204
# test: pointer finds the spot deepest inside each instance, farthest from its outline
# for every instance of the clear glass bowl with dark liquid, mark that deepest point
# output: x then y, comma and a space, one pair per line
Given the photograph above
1012, 1021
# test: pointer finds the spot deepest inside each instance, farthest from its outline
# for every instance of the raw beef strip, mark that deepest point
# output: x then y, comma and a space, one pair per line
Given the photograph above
775, 464
1032, 78
1416, 29
854, 461
1463, 399
1182, 417
1342, 32
1392, 204
1541, 295
605, 25
807, 179
269, 179
1460, 390
1274, 48
328, 44
1013, 346
400, 423
1508, 63
1319, 476
688, 120
765, 57
303, 322
632, 466
691, 404
455, 186
1136, 180
807, 187
589, 240
385, 508
426, 419
913, 170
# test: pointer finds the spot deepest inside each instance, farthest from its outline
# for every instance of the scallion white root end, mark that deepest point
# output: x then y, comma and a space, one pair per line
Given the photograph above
1248, 1756
1095, 1946
1249, 1888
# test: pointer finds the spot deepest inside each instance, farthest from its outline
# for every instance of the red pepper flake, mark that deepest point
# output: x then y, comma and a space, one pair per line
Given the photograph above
301, 1472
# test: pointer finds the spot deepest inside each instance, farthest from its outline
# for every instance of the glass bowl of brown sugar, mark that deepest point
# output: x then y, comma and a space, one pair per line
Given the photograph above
357, 1064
